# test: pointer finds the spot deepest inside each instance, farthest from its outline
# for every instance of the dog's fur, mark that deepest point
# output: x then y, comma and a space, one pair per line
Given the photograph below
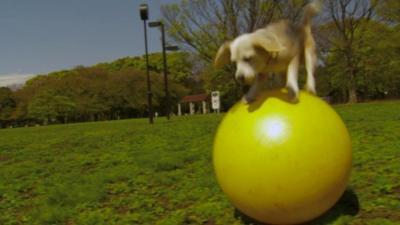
279, 47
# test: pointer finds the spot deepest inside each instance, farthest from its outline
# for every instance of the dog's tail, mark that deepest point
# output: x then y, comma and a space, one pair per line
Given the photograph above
310, 10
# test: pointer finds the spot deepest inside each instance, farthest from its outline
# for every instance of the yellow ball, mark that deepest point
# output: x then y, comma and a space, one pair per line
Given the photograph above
281, 162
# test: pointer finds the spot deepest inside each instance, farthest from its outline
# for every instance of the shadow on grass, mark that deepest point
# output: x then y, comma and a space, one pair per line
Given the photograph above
348, 204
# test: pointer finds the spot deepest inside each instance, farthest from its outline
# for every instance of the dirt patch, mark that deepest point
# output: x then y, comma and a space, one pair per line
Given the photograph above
70, 222
123, 210
183, 205
164, 202
209, 222
396, 190
4, 158
28, 193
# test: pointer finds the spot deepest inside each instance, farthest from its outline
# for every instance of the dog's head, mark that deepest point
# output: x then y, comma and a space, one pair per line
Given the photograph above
250, 53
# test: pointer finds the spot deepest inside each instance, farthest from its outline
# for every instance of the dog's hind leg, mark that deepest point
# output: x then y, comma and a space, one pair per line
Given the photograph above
311, 62
310, 55
291, 80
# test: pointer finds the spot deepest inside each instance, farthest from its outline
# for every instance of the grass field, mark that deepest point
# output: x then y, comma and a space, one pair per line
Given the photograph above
127, 172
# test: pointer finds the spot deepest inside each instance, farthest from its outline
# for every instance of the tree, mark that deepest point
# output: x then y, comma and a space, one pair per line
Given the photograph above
389, 10
345, 18
64, 107
105, 91
379, 62
41, 108
7, 104
50, 107
179, 65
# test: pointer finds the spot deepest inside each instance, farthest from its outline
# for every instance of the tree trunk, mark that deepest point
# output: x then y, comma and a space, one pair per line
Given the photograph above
352, 89
353, 95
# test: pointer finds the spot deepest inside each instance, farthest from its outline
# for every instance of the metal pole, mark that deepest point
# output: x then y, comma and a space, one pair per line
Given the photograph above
168, 109
149, 94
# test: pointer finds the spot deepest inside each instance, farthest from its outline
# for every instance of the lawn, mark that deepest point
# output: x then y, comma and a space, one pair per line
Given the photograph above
128, 172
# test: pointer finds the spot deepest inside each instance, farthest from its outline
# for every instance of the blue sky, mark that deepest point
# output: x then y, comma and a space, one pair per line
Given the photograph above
40, 36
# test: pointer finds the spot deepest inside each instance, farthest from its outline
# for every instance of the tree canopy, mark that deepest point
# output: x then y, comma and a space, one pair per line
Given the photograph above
105, 91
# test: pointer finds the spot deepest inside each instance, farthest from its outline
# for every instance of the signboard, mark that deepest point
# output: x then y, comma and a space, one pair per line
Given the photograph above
215, 100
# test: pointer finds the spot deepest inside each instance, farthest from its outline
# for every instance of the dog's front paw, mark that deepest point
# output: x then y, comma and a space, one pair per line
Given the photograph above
247, 99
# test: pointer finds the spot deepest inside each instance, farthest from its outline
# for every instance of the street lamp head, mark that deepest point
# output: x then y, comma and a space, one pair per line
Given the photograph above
155, 23
144, 11
171, 48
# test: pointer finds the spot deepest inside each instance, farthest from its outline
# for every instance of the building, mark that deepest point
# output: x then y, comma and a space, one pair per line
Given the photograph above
194, 104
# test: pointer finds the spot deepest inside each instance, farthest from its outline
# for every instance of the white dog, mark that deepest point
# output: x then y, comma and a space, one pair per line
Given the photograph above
279, 47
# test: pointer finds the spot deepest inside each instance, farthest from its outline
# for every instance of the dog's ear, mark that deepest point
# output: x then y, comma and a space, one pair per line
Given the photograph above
223, 56
269, 43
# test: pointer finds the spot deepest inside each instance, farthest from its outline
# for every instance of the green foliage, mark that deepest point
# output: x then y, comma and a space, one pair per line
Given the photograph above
178, 63
389, 10
7, 103
48, 106
377, 68
106, 91
129, 172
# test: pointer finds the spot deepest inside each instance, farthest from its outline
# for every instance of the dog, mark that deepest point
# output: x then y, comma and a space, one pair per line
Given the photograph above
279, 47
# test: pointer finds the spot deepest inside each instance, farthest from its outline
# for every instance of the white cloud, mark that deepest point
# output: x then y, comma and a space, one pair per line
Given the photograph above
14, 79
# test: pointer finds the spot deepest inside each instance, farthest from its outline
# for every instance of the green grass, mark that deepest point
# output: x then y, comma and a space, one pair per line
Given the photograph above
128, 172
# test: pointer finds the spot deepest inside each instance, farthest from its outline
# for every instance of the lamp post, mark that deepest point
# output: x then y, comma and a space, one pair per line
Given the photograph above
165, 69
144, 15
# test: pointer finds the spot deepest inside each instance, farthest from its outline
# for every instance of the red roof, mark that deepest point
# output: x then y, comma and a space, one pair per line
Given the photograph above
195, 98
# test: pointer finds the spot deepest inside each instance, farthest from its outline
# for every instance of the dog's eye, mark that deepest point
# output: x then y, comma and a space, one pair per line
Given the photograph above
247, 59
